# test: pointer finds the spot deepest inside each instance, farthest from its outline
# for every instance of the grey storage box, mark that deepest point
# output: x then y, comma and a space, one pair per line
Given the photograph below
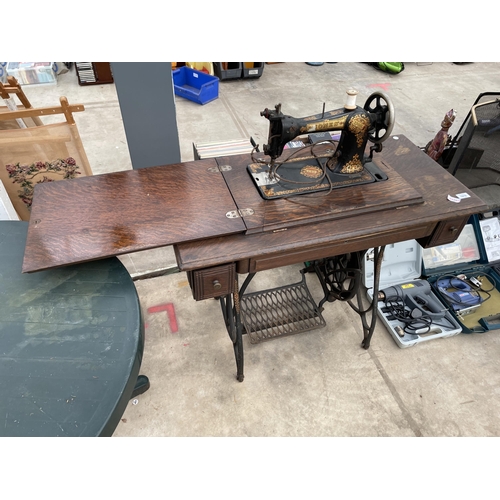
228, 70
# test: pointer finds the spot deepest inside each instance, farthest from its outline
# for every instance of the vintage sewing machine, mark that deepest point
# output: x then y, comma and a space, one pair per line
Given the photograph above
311, 169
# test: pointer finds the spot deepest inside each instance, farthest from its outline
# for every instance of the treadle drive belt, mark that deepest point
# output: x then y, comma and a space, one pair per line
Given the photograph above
279, 312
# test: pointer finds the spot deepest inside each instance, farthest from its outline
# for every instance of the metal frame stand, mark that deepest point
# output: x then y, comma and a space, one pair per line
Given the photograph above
340, 278
231, 311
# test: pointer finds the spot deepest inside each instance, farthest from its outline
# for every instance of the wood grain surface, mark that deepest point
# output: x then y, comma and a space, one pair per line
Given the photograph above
185, 205
269, 215
342, 235
105, 215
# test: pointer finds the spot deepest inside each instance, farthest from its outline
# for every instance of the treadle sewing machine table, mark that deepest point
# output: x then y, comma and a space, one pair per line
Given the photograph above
220, 226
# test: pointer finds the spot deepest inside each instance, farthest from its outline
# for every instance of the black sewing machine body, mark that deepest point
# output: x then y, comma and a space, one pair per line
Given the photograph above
307, 170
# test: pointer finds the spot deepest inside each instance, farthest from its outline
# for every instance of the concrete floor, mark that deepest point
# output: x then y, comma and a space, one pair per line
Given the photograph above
320, 383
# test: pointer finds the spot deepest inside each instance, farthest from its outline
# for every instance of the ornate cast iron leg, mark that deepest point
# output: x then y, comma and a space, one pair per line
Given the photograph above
369, 325
231, 311
340, 278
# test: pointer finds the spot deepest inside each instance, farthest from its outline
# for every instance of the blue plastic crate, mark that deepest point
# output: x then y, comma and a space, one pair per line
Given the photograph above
195, 85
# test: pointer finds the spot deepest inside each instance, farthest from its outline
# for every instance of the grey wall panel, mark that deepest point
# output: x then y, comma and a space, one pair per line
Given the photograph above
147, 103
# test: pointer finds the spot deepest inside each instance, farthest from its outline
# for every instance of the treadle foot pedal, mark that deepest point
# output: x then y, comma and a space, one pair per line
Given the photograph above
280, 312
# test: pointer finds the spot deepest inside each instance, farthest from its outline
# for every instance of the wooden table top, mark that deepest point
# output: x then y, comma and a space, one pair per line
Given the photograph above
349, 233
100, 216
306, 208
185, 205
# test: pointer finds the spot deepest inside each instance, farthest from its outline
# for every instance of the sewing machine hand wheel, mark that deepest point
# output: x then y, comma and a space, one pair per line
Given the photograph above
380, 105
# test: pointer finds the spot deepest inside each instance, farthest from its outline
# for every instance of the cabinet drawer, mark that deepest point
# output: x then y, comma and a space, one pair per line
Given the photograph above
212, 281
298, 255
446, 232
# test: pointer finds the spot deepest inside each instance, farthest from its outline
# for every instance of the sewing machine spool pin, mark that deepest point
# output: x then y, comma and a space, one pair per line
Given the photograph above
350, 103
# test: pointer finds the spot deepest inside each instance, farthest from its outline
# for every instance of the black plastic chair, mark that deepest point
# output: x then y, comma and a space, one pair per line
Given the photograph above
473, 156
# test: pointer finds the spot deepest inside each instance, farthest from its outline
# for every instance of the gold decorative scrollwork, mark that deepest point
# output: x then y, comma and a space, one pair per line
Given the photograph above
353, 166
358, 125
255, 167
236, 297
334, 124
311, 171
270, 193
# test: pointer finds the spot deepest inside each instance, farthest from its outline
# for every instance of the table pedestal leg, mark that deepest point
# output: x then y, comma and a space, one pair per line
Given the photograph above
231, 311
369, 323
340, 278
141, 386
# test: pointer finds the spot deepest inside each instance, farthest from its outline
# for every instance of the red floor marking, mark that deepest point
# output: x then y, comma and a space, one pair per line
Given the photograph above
158, 308
172, 318
169, 307
383, 86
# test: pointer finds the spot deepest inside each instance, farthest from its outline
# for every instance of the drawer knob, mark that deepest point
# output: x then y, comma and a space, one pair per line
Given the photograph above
453, 229
216, 284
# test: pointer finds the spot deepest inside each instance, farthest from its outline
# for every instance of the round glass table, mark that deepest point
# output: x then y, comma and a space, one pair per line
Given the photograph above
71, 344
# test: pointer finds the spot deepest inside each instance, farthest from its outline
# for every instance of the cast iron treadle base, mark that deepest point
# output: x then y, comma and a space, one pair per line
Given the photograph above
279, 312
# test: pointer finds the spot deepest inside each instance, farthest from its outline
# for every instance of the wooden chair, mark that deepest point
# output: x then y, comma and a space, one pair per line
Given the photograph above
41, 153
